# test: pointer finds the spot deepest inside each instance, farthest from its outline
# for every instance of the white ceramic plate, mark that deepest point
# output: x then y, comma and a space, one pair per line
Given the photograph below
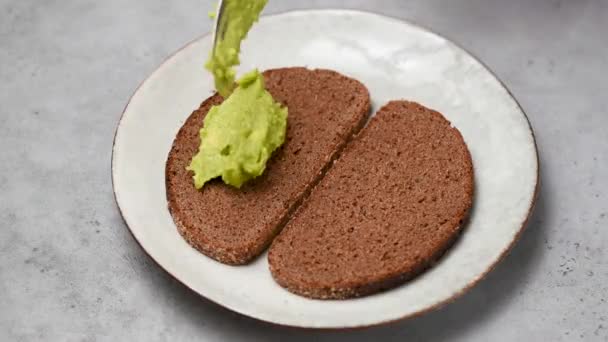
395, 60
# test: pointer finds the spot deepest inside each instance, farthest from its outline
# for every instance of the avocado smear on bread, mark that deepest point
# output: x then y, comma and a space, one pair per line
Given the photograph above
239, 135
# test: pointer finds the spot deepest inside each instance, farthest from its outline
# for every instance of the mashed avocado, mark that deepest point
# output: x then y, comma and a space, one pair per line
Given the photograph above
238, 17
240, 135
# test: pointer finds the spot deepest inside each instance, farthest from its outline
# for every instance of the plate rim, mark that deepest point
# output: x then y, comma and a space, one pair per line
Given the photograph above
430, 308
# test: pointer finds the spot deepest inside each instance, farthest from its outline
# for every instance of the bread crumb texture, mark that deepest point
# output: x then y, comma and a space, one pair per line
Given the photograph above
389, 207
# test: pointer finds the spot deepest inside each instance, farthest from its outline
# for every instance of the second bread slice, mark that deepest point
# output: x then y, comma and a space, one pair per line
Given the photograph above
389, 207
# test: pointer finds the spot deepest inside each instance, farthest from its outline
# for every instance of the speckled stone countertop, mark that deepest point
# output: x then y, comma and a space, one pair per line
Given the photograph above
70, 271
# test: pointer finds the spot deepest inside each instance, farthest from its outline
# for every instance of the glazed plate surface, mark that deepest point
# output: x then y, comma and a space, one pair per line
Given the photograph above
395, 60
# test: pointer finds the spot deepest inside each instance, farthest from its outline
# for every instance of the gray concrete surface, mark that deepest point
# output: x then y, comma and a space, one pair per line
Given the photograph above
70, 271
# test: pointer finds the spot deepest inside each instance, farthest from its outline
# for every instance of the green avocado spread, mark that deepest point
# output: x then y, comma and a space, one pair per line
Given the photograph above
237, 18
239, 135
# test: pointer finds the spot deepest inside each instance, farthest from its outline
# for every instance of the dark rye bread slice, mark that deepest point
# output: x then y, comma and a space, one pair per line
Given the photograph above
389, 207
232, 225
